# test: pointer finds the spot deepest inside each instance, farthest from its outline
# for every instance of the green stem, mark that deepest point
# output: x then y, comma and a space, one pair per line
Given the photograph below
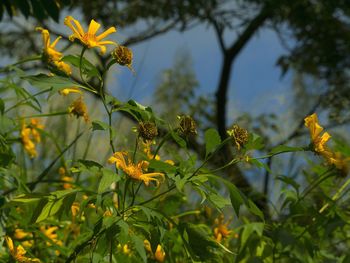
43, 115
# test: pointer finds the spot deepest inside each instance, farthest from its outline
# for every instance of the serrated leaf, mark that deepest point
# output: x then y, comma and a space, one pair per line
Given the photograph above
99, 126
212, 140
139, 246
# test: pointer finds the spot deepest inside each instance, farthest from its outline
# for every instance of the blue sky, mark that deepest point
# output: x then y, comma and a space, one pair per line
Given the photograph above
256, 84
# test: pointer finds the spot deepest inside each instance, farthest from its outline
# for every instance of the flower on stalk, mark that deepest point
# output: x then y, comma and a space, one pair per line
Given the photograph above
89, 38
239, 135
51, 55
79, 109
135, 171
319, 144
30, 135
221, 230
123, 56
18, 253
159, 255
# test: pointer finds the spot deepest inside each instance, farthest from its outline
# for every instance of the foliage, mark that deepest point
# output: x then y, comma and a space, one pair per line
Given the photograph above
149, 201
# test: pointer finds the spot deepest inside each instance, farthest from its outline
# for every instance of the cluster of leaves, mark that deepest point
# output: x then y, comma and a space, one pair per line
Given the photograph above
65, 208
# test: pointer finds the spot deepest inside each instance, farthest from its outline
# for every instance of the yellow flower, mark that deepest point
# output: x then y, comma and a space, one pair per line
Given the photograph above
49, 232
147, 151
21, 234
89, 38
51, 55
160, 254
49, 48
221, 230
62, 66
75, 209
79, 109
66, 91
27, 142
319, 143
135, 171
18, 253
29, 134
147, 245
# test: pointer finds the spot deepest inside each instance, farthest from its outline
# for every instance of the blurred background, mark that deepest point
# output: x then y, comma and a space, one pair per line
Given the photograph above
261, 64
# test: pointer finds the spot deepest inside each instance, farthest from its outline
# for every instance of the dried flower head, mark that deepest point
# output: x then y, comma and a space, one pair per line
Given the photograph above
188, 126
79, 109
239, 135
148, 130
123, 55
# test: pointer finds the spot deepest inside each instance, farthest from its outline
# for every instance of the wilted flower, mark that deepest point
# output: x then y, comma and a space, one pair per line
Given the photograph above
239, 135
188, 126
89, 38
148, 130
135, 171
79, 109
123, 55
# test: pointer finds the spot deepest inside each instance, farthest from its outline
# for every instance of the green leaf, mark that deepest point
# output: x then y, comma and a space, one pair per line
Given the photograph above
255, 210
219, 201
236, 196
288, 180
56, 82
108, 177
160, 166
181, 142
99, 125
200, 241
139, 246
249, 229
88, 68
212, 140
255, 142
